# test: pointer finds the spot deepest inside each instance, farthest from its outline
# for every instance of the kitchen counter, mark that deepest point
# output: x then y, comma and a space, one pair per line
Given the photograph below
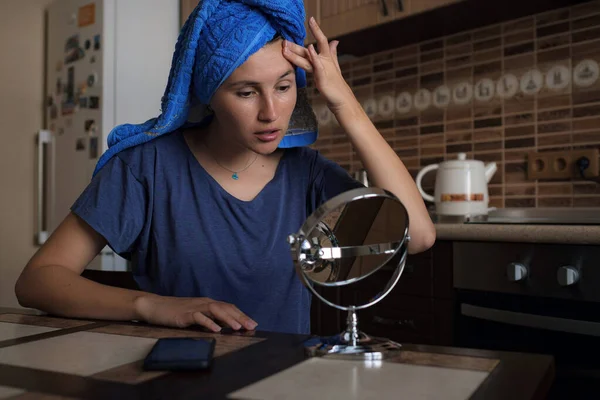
522, 233
46, 357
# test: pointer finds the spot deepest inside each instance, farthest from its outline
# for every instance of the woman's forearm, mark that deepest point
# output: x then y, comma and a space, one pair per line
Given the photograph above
387, 171
60, 291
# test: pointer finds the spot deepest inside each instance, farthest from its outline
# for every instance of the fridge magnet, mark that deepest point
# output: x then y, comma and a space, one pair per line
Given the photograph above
72, 50
80, 144
532, 82
507, 86
93, 147
90, 126
92, 79
94, 102
86, 15
404, 102
484, 90
97, 42
558, 77
83, 102
68, 104
586, 73
422, 99
441, 96
88, 44
92, 59
462, 93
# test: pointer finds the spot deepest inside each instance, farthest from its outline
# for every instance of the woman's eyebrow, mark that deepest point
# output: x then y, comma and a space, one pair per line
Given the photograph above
254, 83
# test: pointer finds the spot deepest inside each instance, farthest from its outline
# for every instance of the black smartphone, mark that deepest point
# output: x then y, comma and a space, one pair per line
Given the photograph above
180, 354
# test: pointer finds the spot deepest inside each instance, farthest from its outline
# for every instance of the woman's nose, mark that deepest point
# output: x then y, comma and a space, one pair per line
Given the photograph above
268, 110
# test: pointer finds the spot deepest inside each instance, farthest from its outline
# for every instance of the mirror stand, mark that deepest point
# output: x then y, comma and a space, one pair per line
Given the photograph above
352, 343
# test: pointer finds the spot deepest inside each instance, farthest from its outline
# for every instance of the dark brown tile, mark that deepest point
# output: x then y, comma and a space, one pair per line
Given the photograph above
589, 34
458, 61
432, 116
553, 115
487, 68
554, 55
519, 37
387, 124
518, 119
498, 177
495, 190
487, 123
459, 148
587, 111
458, 137
383, 67
584, 49
432, 79
519, 155
460, 73
519, 203
553, 42
585, 22
406, 51
407, 132
382, 88
489, 55
361, 81
586, 201
485, 110
487, 44
552, 17
407, 152
438, 44
406, 62
456, 51
555, 202
497, 202
401, 73
518, 62
434, 66
434, 55
430, 151
488, 32
432, 140
459, 113
367, 60
519, 190
487, 135
553, 127
489, 156
522, 48
459, 126
458, 39
582, 10
585, 188
407, 122
555, 189
383, 57
586, 137
431, 160
586, 97
552, 29
553, 101
363, 71
513, 26
484, 146
425, 130
519, 131
554, 140
513, 143
411, 162
406, 143
583, 124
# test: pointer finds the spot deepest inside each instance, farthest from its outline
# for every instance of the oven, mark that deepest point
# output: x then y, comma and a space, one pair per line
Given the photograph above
536, 298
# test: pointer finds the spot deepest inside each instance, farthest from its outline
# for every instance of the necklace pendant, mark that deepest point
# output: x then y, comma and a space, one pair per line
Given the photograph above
235, 176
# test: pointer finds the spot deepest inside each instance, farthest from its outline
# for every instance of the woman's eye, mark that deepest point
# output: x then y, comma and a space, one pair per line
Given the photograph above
245, 94
284, 88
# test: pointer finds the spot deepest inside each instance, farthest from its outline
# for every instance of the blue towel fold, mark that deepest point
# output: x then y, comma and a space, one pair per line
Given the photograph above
217, 38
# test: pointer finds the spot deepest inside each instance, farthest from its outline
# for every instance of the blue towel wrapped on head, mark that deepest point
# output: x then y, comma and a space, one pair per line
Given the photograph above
218, 37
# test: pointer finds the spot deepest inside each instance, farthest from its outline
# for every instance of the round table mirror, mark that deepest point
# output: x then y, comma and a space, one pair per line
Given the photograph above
343, 243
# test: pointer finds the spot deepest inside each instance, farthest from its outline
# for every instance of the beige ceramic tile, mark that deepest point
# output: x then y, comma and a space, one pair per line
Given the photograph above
318, 378
80, 353
12, 331
7, 392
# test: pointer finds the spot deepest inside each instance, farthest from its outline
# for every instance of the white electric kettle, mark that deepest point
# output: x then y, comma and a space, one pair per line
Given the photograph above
460, 186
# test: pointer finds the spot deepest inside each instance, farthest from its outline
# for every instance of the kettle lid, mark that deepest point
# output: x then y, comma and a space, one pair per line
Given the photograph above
461, 162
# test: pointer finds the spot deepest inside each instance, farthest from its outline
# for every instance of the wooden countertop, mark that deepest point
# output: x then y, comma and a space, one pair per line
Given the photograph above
521, 233
44, 357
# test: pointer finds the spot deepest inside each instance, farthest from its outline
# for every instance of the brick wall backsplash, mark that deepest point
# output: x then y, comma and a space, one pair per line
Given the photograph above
495, 93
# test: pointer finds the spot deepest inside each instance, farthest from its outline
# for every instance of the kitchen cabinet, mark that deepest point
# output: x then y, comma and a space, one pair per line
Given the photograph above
419, 309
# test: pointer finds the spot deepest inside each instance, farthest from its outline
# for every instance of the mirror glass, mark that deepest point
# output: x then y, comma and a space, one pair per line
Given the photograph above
353, 240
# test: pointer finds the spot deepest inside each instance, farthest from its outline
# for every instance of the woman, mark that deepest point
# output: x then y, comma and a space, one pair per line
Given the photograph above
203, 209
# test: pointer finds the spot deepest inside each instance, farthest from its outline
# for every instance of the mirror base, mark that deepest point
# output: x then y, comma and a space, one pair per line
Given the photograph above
365, 348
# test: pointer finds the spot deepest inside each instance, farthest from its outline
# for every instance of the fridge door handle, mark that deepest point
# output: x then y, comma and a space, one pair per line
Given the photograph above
44, 138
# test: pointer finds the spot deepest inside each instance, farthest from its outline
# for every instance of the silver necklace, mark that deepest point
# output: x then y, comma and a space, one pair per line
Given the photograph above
234, 174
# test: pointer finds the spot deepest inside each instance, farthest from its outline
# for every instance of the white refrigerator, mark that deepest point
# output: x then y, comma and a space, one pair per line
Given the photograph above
107, 63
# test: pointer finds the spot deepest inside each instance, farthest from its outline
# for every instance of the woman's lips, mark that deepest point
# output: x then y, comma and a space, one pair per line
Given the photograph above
268, 136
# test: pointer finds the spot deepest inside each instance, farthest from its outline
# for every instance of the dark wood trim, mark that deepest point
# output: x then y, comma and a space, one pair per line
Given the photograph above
439, 22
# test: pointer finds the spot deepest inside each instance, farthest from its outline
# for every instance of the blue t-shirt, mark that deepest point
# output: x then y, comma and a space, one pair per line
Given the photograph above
188, 237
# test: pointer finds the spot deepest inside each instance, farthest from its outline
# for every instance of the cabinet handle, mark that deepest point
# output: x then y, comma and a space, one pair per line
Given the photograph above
384, 8
400, 5
403, 323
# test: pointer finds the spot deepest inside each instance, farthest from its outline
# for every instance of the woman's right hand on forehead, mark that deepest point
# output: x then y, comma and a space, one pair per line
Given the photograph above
187, 311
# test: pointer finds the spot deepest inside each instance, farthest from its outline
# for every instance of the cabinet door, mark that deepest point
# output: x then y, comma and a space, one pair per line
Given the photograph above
426, 5
395, 9
344, 16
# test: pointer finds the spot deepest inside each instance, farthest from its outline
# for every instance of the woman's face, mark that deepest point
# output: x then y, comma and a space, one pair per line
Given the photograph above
254, 105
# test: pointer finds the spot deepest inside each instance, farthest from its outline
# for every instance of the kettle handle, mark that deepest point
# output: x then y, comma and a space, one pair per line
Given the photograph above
419, 178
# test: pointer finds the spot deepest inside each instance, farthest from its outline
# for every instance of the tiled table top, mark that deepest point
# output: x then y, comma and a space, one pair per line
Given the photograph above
52, 358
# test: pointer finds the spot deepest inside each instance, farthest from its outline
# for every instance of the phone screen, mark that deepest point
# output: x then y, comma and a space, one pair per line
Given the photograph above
180, 354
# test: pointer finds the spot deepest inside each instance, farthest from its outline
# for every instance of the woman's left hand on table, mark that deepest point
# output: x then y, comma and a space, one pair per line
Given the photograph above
323, 65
